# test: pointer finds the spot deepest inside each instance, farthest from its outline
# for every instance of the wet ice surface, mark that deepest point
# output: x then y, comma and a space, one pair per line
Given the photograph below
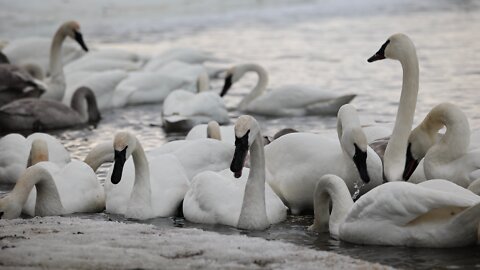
324, 43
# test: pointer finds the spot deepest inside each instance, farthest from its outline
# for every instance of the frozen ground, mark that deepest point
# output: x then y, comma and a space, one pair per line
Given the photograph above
66, 242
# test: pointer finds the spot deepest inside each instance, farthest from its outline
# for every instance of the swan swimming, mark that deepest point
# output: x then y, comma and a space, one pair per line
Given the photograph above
73, 188
450, 157
292, 100
400, 47
218, 198
32, 114
296, 160
435, 213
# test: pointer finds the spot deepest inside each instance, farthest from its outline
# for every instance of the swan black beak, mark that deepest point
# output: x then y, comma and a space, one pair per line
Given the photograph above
120, 158
227, 85
79, 39
241, 150
360, 160
380, 54
410, 164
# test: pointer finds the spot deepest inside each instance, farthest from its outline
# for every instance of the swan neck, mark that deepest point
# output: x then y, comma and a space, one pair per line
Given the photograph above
395, 152
254, 214
48, 200
56, 66
85, 104
259, 88
100, 154
141, 192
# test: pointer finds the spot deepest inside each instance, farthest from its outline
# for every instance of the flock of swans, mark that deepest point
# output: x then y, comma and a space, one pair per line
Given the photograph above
355, 181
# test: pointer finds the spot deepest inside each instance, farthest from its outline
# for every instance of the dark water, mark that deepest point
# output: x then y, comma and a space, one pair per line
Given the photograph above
324, 43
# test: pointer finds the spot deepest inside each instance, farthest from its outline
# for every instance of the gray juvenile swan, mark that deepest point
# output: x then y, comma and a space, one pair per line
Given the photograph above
16, 83
39, 114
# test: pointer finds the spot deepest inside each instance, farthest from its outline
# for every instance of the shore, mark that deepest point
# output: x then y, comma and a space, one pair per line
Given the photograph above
74, 243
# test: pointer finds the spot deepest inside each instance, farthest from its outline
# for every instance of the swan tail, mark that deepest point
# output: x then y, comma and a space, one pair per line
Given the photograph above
466, 226
330, 107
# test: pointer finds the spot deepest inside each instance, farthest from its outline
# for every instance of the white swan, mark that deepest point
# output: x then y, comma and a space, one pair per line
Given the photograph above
292, 100
14, 153
296, 160
33, 114
435, 213
103, 84
400, 47
449, 158
73, 188
158, 187
218, 198
185, 55
183, 109
148, 87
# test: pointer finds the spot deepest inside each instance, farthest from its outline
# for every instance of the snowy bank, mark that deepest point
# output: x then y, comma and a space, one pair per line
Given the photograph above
65, 242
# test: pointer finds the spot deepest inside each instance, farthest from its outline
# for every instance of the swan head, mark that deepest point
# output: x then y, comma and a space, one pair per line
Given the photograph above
354, 143
420, 140
246, 131
38, 152
72, 29
397, 47
232, 76
9, 208
123, 146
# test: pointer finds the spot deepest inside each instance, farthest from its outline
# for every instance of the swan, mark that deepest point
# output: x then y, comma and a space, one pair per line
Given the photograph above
101, 83
35, 50
183, 109
297, 159
63, 190
147, 87
225, 133
31, 114
218, 198
159, 182
292, 100
185, 55
435, 213
16, 83
14, 154
449, 158
400, 47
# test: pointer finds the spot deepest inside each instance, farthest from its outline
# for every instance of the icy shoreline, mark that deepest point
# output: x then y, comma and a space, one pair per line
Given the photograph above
66, 242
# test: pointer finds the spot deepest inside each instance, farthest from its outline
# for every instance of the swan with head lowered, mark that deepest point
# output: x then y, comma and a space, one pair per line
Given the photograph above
218, 198
55, 83
46, 189
399, 47
294, 161
292, 100
450, 157
32, 114
183, 109
435, 213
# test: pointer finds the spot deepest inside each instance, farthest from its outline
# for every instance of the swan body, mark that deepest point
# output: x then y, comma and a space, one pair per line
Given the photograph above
183, 109
400, 47
295, 161
185, 55
435, 213
36, 50
158, 186
293, 100
217, 198
103, 84
31, 114
14, 153
147, 87
450, 157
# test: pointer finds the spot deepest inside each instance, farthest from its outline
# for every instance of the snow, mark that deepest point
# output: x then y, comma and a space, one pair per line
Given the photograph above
71, 242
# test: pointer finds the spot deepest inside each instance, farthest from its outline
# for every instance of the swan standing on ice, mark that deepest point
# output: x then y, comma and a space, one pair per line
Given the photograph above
293, 100
296, 160
32, 114
60, 190
158, 187
218, 198
449, 158
15, 150
400, 47
183, 109
435, 213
